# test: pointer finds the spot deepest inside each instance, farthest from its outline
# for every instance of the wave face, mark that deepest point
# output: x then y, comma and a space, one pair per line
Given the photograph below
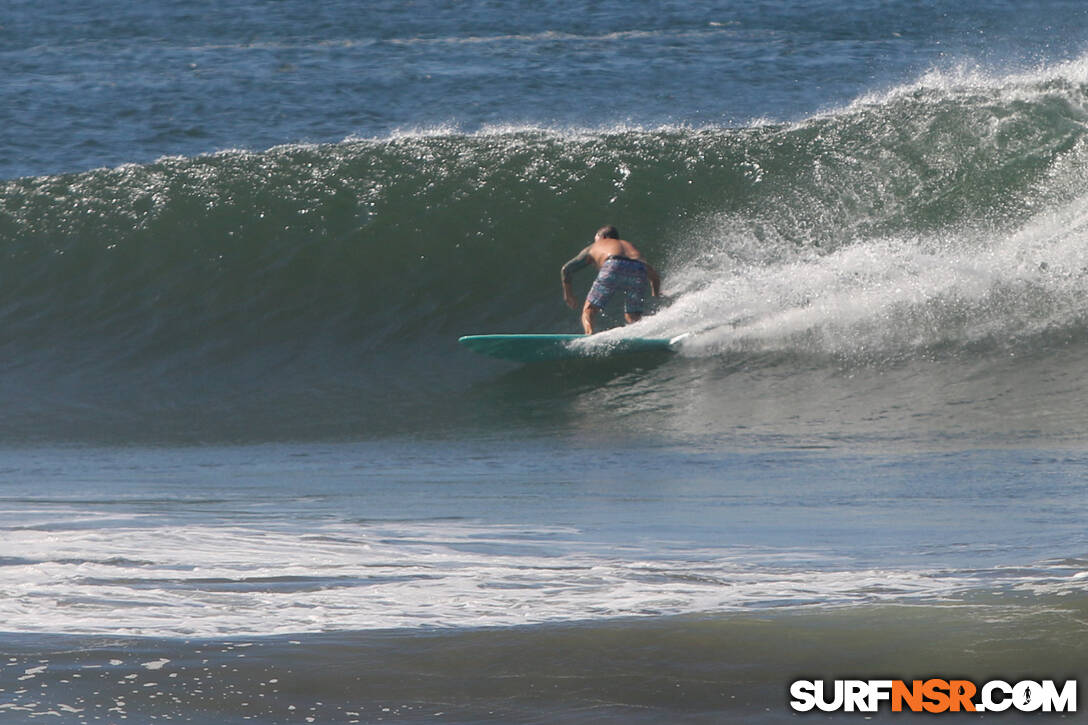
320, 289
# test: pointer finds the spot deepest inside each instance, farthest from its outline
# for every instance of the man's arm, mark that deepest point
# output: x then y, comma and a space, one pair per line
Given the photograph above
583, 259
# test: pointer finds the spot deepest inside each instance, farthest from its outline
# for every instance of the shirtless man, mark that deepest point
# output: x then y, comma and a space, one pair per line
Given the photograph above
622, 268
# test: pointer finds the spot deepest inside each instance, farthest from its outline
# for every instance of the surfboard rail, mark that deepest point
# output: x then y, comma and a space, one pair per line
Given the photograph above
548, 347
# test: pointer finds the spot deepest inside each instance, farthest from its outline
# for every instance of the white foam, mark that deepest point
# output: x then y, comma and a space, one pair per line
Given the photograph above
558, 37
205, 580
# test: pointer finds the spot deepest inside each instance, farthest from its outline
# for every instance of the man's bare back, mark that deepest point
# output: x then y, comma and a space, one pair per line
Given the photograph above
605, 247
608, 251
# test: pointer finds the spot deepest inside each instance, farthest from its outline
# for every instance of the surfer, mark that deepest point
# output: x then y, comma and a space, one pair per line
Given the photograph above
620, 268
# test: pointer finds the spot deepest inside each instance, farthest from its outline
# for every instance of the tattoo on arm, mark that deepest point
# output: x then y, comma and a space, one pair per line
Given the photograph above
583, 259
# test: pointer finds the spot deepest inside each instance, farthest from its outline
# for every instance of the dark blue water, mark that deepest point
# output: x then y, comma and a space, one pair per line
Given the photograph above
246, 472
112, 83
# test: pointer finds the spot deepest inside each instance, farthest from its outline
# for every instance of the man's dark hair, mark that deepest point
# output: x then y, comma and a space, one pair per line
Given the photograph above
608, 232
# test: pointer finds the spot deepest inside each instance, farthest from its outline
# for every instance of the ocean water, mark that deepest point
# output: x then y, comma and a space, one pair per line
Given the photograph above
248, 475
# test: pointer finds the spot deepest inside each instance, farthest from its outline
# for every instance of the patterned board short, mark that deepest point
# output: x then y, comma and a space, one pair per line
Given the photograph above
620, 274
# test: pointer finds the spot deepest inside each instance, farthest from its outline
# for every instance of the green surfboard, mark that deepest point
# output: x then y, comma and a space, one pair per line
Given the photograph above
541, 348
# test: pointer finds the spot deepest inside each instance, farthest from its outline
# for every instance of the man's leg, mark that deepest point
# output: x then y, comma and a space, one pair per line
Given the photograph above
635, 298
589, 313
